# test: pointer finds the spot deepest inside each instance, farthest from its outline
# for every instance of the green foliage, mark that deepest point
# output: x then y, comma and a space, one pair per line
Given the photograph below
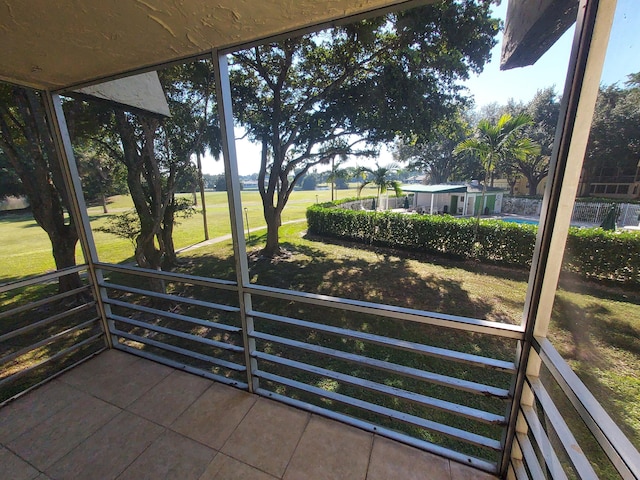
598, 253
124, 225
590, 252
309, 182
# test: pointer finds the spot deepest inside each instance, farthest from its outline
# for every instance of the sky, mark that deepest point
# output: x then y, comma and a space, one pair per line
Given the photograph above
521, 84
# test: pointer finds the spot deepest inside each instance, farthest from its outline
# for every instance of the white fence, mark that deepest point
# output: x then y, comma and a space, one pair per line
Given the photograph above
583, 212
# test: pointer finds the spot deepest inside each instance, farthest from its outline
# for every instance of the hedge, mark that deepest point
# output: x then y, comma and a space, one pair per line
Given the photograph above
590, 252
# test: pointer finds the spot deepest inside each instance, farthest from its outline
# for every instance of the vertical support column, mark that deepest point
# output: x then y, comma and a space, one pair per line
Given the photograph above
581, 89
64, 150
225, 113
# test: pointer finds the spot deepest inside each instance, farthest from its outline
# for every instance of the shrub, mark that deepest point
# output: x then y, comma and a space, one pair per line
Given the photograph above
590, 252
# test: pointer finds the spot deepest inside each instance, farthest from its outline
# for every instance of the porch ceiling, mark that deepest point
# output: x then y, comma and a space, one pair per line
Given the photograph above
53, 45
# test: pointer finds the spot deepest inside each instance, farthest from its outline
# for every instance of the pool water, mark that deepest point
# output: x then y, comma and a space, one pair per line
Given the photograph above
520, 220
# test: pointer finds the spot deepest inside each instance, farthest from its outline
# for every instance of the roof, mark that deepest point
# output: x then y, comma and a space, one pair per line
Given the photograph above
434, 188
65, 44
446, 188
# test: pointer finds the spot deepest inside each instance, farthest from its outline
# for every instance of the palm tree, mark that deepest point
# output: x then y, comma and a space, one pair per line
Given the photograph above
499, 142
380, 178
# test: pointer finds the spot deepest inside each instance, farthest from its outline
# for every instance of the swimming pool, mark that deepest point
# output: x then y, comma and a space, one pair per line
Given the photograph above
525, 221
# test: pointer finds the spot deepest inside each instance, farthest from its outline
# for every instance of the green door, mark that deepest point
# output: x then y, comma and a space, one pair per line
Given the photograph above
453, 207
491, 203
478, 205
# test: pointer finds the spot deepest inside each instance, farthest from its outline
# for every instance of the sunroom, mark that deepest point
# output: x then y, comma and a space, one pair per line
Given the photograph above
225, 371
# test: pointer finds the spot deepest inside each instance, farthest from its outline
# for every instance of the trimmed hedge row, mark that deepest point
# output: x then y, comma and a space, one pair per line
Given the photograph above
592, 253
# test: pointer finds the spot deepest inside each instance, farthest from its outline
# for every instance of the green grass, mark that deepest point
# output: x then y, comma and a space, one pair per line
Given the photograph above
594, 326
27, 251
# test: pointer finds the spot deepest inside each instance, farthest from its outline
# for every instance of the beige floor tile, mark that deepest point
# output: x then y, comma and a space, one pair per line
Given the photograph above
14, 468
49, 441
117, 377
391, 460
109, 451
214, 415
464, 472
330, 450
28, 411
227, 468
171, 456
267, 436
169, 398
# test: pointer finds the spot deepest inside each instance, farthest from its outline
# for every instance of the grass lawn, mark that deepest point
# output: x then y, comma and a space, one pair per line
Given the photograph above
595, 327
18, 229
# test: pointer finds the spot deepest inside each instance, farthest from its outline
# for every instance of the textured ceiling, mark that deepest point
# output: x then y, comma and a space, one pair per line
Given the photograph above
54, 44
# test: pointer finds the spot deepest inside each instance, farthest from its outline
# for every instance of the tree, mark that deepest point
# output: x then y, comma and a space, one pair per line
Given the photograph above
493, 143
614, 140
155, 152
101, 174
434, 156
27, 147
380, 177
341, 91
544, 111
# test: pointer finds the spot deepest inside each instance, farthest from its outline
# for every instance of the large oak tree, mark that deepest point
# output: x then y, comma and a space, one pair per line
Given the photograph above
27, 146
307, 99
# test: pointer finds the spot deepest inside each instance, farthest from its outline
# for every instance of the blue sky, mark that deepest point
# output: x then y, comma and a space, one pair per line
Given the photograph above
493, 85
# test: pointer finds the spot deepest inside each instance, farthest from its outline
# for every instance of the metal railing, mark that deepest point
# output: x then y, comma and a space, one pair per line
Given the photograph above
44, 333
560, 420
430, 396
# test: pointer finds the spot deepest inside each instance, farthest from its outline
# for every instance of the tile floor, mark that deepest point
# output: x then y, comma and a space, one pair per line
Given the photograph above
118, 416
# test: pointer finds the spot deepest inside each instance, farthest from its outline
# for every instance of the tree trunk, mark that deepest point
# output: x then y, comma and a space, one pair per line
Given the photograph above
104, 203
273, 219
533, 186
39, 170
64, 254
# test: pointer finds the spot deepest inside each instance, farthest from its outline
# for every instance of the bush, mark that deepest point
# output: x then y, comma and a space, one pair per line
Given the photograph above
590, 252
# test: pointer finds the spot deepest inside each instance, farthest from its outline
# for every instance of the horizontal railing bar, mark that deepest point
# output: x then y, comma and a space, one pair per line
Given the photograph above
435, 378
6, 287
176, 333
181, 366
47, 321
530, 457
416, 398
57, 355
182, 351
474, 462
437, 352
44, 301
569, 443
390, 311
52, 376
543, 443
452, 432
614, 443
46, 341
175, 316
171, 298
172, 277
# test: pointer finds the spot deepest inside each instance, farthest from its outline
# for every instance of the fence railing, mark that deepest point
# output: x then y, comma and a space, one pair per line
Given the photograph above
560, 421
43, 332
329, 355
590, 213
397, 372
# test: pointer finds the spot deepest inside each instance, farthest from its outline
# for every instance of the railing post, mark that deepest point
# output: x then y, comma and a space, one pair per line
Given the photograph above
64, 151
578, 103
225, 113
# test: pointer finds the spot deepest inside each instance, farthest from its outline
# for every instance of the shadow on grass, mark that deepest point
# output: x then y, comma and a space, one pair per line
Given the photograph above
593, 329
